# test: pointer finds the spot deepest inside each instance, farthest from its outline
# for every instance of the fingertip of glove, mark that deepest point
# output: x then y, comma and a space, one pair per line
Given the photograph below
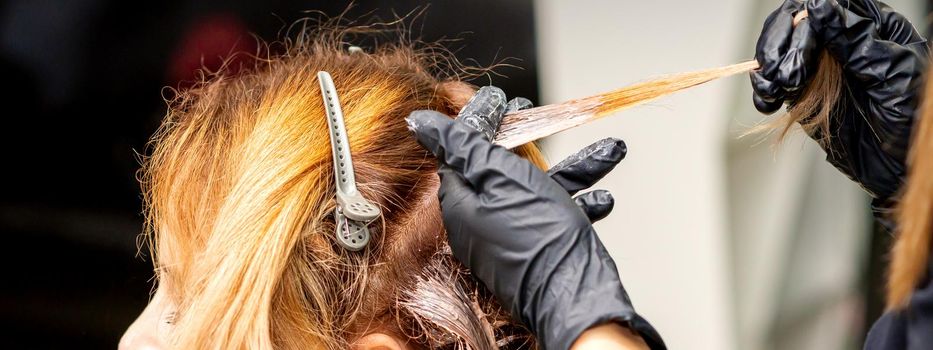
517, 104
597, 204
612, 148
425, 120
490, 91
766, 106
604, 197
427, 125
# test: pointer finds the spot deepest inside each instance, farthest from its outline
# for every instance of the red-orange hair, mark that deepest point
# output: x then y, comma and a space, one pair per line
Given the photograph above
239, 199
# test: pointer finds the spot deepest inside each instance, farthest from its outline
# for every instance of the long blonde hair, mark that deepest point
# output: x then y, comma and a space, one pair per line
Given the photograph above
239, 196
911, 252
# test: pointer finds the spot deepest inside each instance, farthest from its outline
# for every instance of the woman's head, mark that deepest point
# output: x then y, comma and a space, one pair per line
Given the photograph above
240, 196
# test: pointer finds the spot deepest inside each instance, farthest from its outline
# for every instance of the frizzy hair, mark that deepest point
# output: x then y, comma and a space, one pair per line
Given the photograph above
239, 194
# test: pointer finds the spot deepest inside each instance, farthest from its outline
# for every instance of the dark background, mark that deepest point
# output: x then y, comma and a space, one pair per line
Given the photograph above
82, 92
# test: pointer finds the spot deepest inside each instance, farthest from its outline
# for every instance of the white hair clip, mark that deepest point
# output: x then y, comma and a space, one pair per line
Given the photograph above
353, 213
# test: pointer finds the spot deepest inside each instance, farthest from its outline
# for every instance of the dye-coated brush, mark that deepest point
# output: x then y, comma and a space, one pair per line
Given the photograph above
528, 125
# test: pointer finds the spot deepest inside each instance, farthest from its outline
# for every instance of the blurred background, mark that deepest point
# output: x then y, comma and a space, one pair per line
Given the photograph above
723, 242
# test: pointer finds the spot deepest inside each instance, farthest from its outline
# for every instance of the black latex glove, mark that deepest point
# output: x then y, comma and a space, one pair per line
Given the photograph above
883, 58
578, 172
586, 167
521, 233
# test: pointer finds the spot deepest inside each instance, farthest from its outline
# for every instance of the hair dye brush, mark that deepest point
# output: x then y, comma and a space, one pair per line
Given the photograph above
531, 124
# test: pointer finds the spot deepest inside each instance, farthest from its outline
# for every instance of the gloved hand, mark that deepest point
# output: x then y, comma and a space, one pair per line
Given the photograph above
521, 233
578, 172
883, 58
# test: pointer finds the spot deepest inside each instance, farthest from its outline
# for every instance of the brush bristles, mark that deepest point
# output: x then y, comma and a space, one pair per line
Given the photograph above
532, 124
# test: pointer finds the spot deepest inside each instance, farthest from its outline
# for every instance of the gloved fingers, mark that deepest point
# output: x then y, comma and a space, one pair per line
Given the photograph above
801, 60
889, 73
484, 111
766, 107
892, 25
853, 39
829, 19
485, 166
775, 38
517, 104
596, 204
766, 88
767, 96
584, 168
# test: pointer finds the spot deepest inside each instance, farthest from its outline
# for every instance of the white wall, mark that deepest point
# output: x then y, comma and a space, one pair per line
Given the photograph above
667, 230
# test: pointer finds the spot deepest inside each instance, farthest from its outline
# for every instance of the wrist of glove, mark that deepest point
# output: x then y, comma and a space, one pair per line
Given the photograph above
519, 230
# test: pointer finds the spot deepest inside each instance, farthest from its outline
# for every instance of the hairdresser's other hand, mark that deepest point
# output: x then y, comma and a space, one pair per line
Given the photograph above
521, 233
883, 58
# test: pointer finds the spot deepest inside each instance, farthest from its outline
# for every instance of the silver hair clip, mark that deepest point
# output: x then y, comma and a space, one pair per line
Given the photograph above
353, 212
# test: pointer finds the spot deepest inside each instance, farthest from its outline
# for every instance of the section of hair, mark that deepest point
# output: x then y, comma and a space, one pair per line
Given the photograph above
815, 107
449, 311
531, 124
239, 192
911, 252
